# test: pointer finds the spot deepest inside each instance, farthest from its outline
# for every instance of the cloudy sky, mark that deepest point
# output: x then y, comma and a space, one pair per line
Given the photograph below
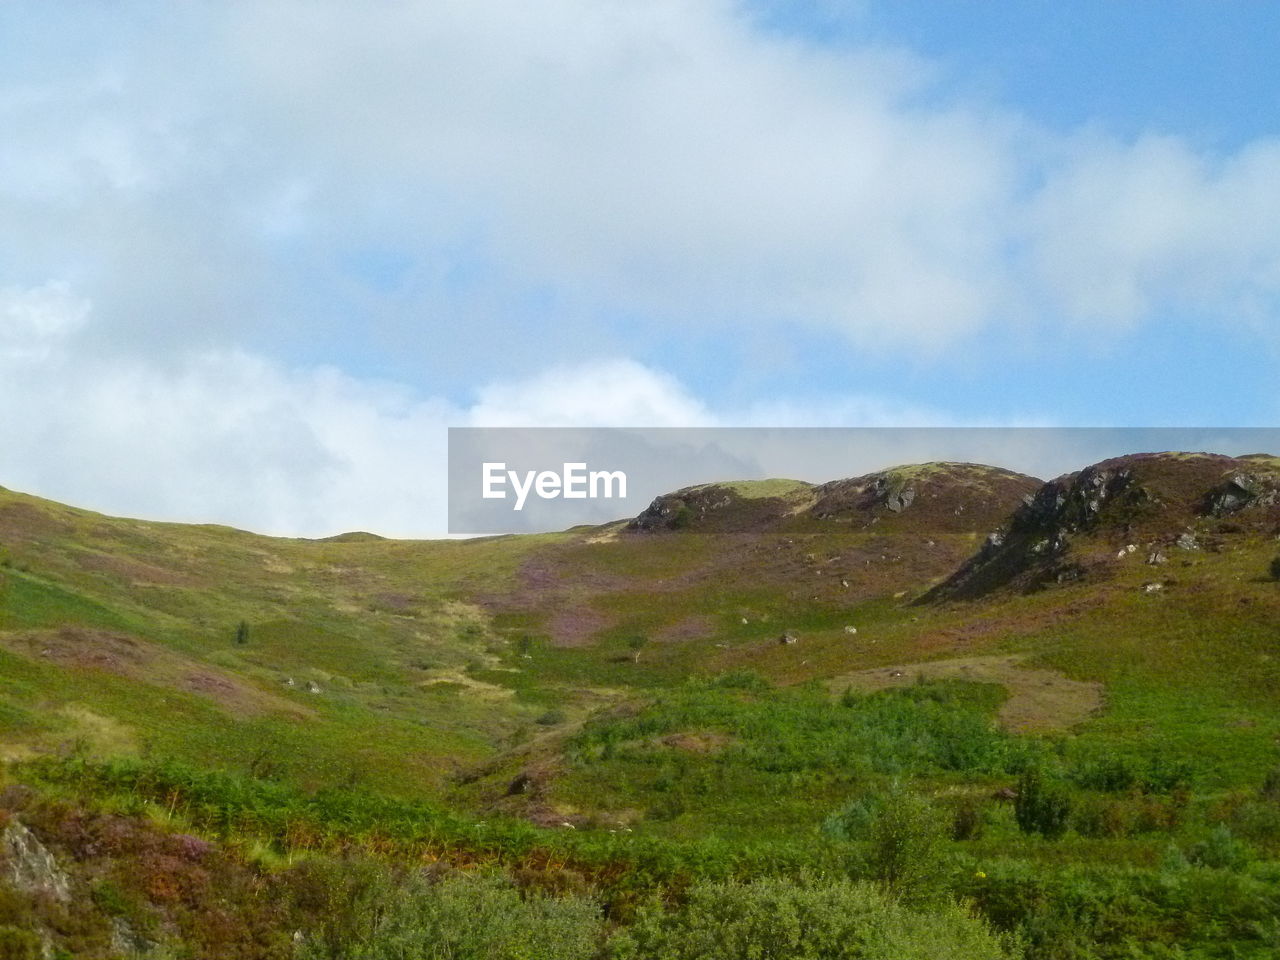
256, 256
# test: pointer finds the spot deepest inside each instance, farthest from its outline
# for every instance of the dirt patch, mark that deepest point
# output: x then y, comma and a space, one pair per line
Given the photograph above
1040, 700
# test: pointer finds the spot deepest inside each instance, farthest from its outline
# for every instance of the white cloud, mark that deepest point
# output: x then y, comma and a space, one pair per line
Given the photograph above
661, 158
224, 436
33, 322
1123, 231
664, 162
611, 393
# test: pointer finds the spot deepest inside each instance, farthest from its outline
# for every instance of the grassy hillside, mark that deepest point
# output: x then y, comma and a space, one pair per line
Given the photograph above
1071, 726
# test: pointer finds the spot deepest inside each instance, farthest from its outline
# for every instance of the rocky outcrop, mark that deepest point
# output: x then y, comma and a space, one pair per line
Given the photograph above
1162, 499
931, 497
27, 866
721, 508
1242, 491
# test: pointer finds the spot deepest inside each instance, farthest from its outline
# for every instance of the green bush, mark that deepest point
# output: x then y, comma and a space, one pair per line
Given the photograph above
474, 918
16, 944
853, 821
1098, 817
1221, 850
907, 847
1275, 568
943, 726
1110, 773
1270, 789
1258, 821
778, 919
969, 820
343, 900
1041, 807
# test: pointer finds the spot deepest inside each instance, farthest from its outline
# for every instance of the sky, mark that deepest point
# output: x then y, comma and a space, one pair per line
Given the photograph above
256, 257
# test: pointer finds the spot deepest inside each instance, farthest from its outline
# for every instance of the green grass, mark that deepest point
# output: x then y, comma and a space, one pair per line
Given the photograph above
775, 488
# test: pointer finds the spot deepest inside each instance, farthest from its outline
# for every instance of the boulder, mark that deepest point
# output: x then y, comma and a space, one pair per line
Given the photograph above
29, 867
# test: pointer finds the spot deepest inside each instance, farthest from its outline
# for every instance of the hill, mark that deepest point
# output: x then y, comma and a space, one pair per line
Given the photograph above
747, 681
936, 497
1156, 505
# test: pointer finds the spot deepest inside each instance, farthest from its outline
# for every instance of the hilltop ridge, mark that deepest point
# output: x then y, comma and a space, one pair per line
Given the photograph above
1152, 503
938, 496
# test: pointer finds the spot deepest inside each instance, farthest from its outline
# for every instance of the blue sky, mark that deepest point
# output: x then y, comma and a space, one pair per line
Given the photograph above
274, 249
1200, 69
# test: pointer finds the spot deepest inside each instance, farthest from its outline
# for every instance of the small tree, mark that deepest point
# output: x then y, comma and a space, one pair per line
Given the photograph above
635, 644
242, 633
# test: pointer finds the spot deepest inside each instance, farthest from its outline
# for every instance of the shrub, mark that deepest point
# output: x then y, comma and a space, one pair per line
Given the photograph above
853, 821
969, 820
1275, 568
907, 846
1259, 822
777, 919
1270, 789
16, 944
1041, 807
1158, 773
1221, 850
344, 897
1096, 817
1111, 774
477, 918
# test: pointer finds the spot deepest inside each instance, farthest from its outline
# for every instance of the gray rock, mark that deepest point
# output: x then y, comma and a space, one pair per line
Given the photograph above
1188, 541
897, 502
29, 867
129, 943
